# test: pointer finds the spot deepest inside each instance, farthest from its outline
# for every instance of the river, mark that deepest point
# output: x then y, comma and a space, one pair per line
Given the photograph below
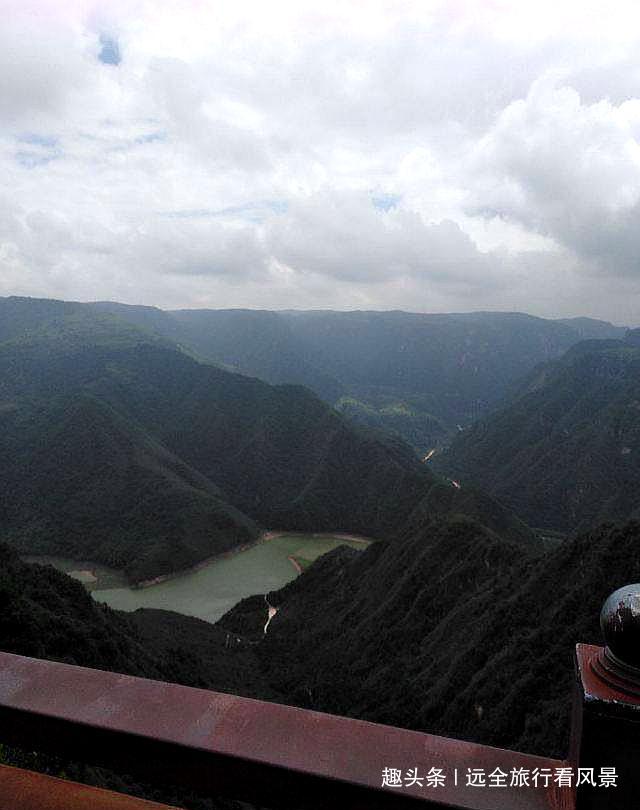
211, 590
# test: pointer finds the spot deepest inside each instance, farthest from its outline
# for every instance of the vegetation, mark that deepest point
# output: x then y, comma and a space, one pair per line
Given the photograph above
443, 369
120, 447
421, 430
46, 614
305, 549
453, 630
564, 453
124, 450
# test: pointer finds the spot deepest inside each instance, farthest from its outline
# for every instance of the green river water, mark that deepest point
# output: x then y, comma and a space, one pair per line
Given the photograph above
213, 589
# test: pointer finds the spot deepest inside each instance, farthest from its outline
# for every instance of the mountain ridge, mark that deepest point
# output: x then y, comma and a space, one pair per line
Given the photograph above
563, 452
416, 374
122, 449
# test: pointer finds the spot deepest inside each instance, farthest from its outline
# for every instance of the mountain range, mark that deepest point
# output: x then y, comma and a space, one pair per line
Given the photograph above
126, 443
121, 448
416, 374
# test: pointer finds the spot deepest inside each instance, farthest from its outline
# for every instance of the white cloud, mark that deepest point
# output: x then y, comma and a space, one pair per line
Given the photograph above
346, 237
568, 170
506, 134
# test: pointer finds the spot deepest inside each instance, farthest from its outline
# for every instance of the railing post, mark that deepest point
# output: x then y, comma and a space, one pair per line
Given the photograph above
606, 728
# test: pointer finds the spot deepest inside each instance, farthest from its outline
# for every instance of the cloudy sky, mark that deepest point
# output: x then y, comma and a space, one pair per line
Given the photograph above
428, 156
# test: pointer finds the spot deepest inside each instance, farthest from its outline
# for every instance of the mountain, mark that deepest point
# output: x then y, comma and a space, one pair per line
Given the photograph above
417, 375
88, 483
43, 325
564, 453
451, 630
120, 448
594, 329
80, 475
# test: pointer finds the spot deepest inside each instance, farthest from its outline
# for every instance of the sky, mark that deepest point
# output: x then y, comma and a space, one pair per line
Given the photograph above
426, 156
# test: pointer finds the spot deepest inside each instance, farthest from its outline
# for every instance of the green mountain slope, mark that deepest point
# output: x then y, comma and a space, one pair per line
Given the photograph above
36, 323
452, 630
565, 452
93, 485
416, 375
120, 448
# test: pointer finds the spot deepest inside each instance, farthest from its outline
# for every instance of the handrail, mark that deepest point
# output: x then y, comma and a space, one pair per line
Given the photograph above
221, 744
26, 790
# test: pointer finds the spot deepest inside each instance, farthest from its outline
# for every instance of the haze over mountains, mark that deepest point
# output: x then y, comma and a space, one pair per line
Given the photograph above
564, 452
128, 436
416, 374
122, 449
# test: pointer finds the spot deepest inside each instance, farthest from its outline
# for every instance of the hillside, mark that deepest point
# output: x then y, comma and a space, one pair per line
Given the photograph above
417, 375
89, 484
80, 475
33, 323
564, 453
122, 449
452, 630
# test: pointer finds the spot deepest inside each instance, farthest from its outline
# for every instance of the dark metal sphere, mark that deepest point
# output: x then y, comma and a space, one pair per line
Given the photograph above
620, 623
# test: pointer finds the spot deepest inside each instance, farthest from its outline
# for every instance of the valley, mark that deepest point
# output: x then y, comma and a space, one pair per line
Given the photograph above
416, 375
563, 449
140, 479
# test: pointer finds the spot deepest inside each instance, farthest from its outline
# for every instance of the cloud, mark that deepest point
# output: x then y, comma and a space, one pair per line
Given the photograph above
569, 170
444, 155
347, 237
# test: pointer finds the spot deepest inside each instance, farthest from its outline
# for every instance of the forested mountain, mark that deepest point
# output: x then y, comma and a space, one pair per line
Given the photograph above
565, 452
452, 630
44, 325
120, 448
418, 375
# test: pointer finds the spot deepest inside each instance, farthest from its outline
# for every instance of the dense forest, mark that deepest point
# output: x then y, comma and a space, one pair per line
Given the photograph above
418, 375
564, 451
454, 630
124, 450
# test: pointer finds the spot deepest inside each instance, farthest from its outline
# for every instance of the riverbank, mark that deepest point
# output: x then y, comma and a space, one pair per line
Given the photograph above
265, 537
159, 580
210, 588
